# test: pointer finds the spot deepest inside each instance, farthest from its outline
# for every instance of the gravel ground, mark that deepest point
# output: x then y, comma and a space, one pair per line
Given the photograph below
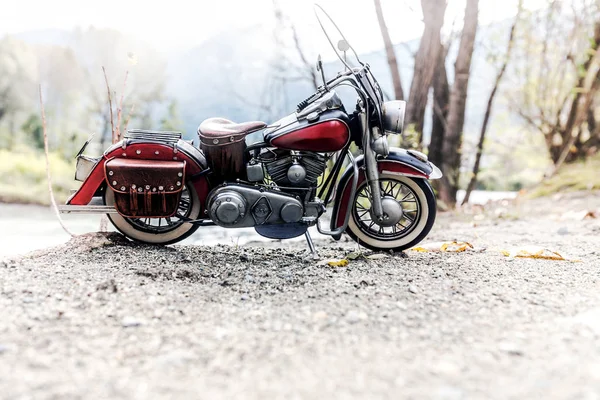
103, 318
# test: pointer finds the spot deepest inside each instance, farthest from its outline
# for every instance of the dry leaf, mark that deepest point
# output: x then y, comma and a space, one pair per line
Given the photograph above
536, 253
354, 255
449, 247
456, 247
542, 254
335, 262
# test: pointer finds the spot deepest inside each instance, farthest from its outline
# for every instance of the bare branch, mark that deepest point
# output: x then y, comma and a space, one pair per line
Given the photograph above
128, 117
307, 65
112, 124
120, 108
48, 173
440, 114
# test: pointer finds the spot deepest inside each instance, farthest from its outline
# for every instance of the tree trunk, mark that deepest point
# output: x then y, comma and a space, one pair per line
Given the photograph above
441, 96
425, 63
488, 110
389, 51
587, 87
456, 111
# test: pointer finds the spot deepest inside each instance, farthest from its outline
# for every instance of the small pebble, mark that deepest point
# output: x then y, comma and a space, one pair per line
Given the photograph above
130, 322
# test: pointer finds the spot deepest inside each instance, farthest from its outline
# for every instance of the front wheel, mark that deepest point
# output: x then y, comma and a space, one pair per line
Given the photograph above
411, 221
159, 230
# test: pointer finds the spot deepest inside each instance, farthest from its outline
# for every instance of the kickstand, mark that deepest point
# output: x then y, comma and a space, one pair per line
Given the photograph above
311, 245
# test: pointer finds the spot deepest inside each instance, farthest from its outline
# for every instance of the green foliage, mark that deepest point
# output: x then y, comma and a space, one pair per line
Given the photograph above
409, 138
23, 177
171, 121
33, 128
582, 175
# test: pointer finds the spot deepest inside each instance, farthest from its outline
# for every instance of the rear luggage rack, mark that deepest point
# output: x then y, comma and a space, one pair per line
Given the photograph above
161, 136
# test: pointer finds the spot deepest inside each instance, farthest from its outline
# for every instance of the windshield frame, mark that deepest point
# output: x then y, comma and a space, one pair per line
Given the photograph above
362, 73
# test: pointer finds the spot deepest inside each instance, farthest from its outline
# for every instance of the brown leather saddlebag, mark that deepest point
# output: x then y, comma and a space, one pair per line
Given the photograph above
145, 188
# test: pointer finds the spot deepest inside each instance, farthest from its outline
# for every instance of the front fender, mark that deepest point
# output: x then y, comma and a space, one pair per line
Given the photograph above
399, 161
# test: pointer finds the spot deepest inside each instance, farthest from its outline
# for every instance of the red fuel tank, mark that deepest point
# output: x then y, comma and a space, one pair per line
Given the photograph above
328, 134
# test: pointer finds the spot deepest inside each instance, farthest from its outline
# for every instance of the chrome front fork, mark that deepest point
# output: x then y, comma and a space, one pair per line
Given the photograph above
372, 172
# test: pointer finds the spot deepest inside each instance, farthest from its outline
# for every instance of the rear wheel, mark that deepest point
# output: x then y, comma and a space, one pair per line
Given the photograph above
412, 222
159, 230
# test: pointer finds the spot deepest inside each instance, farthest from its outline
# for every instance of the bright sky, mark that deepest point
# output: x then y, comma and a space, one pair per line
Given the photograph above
185, 23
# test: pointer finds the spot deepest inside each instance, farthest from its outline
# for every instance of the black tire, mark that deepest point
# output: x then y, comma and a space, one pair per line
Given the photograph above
424, 219
134, 228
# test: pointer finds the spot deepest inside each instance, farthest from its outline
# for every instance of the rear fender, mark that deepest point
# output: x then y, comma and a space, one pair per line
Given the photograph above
195, 164
399, 162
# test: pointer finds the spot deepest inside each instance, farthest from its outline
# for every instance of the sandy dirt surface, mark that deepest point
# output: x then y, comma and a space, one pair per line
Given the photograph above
100, 317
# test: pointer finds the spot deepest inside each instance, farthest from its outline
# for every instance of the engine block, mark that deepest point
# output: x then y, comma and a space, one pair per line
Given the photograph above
299, 170
242, 206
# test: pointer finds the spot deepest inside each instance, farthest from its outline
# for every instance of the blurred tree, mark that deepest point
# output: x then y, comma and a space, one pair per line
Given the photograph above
62, 79
488, 110
441, 97
558, 78
18, 71
171, 121
33, 128
426, 59
291, 63
119, 54
389, 52
452, 142
291, 55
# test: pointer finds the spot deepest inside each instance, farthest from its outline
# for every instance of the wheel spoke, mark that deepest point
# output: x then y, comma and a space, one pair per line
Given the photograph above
400, 192
161, 225
406, 196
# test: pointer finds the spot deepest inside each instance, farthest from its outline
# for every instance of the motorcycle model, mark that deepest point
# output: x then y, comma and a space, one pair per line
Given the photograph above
157, 188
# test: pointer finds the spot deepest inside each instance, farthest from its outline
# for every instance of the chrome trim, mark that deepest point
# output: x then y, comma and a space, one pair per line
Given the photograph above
393, 116
84, 167
143, 134
437, 173
328, 101
372, 172
418, 155
87, 209
402, 174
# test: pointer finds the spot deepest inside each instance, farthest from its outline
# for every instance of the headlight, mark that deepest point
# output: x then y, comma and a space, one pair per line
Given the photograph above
393, 116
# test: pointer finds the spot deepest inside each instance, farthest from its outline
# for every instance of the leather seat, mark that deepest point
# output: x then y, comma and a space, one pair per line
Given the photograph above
219, 127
